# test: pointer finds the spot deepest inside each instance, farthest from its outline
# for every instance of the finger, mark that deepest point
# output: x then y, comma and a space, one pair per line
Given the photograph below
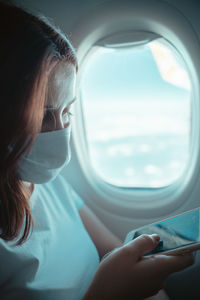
169, 264
143, 244
179, 262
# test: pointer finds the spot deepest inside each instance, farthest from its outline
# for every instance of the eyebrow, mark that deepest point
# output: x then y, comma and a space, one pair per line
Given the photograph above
54, 107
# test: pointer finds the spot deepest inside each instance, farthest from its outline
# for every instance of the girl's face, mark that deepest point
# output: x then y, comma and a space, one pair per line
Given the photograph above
61, 94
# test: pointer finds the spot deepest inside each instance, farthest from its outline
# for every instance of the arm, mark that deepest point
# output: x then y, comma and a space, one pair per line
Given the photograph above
103, 238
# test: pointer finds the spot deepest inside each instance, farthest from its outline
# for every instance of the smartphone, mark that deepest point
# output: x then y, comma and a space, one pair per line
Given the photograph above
178, 235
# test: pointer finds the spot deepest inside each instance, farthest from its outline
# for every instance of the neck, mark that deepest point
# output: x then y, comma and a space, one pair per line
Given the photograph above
28, 187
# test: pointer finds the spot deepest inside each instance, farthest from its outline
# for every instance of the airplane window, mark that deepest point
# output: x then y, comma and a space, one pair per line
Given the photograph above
137, 111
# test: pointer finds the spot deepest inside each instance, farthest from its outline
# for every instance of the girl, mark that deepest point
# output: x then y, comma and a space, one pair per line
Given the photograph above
50, 242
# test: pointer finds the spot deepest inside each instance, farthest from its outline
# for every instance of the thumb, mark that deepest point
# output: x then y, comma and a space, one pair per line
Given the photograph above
143, 244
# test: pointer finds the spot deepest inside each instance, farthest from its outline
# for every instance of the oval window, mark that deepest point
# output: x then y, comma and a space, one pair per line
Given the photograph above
137, 110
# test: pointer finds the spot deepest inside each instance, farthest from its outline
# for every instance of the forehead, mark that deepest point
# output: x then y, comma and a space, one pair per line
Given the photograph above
61, 85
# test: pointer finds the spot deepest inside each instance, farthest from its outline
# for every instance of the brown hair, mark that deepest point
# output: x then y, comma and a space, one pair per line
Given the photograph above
30, 48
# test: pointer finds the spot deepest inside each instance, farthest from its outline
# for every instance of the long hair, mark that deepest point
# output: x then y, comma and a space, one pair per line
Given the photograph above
30, 48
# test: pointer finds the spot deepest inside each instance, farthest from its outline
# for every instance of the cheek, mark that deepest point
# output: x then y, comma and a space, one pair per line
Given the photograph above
49, 122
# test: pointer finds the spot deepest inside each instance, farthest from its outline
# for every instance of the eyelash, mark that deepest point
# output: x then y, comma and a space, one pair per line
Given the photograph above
49, 113
69, 113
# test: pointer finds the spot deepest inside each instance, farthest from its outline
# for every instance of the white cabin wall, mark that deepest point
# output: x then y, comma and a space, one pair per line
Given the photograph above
67, 12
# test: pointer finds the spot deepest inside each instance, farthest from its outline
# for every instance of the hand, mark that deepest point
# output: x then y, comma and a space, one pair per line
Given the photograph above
125, 274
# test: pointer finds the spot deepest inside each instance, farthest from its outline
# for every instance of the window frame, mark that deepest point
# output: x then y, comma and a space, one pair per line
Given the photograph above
131, 202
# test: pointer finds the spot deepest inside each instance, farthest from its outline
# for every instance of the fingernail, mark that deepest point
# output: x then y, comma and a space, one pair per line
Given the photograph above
156, 237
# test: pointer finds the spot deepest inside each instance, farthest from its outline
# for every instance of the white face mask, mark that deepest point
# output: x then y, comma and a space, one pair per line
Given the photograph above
49, 154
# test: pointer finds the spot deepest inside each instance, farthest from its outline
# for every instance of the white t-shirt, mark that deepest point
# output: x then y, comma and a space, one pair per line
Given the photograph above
59, 259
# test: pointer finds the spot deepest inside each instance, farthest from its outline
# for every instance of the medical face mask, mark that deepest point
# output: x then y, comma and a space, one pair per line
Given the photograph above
49, 154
